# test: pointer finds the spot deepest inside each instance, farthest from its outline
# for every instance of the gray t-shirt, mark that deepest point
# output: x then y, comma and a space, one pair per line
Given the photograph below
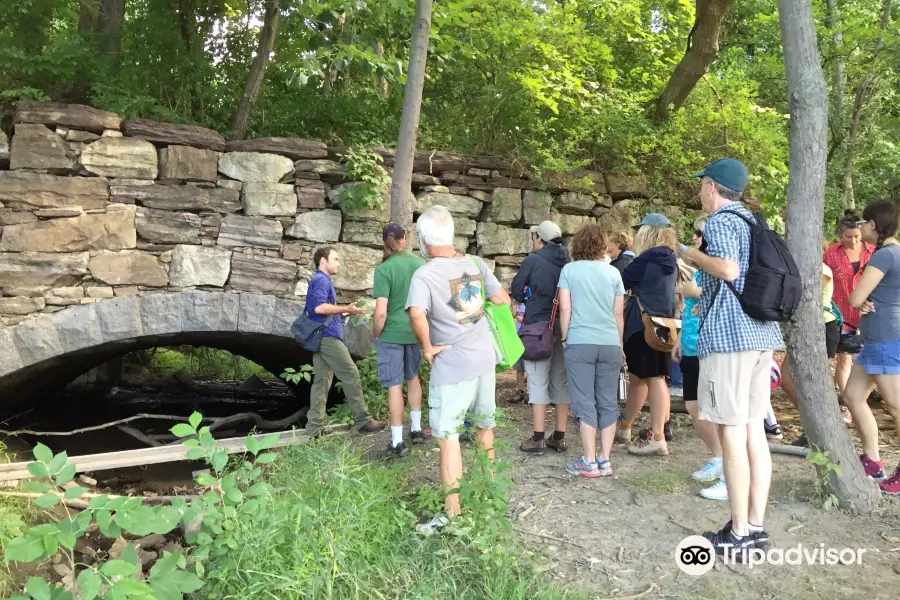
883, 325
450, 291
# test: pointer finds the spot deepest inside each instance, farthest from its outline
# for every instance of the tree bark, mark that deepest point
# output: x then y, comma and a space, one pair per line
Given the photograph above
703, 44
808, 105
87, 15
110, 19
257, 71
401, 185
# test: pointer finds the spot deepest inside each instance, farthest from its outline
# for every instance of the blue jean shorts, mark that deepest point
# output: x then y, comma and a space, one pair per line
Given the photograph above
880, 358
397, 362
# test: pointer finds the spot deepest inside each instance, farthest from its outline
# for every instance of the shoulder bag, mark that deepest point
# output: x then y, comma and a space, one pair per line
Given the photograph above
660, 333
537, 338
309, 332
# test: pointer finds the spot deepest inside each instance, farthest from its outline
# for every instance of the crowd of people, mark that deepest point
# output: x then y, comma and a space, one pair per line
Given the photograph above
671, 315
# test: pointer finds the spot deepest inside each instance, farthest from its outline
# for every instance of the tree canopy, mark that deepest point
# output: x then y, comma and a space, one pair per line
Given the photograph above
556, 85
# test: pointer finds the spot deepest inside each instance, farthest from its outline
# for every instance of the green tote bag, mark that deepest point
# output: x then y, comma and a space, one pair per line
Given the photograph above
507, 344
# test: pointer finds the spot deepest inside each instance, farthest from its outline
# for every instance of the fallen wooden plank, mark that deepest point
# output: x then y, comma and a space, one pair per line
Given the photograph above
799, 451
152, 456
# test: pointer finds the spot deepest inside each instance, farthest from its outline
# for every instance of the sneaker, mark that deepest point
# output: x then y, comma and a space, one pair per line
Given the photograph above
584, 468
726, 541
649, 447
437, 522
623, 436
418, 437
801, 441
717, 491
676, 391
557, 444
874, 468
532, 447
372, 426
711, 471
398, 450
773, 432
605, 468
892, 484
760, 538
845, 414
647, 434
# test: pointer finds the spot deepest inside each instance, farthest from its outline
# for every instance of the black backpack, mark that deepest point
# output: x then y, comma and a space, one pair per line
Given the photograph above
772, 288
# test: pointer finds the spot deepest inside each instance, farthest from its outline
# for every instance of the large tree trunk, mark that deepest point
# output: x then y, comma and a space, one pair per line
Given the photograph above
87, 16
110, 19
412, 106
808, 105
257, 71
703, 44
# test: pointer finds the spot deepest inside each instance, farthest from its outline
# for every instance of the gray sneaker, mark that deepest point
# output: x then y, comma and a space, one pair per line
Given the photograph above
434, 525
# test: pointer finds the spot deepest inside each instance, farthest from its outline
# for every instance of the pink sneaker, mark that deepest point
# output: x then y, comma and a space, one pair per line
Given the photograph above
892, 484
874, 468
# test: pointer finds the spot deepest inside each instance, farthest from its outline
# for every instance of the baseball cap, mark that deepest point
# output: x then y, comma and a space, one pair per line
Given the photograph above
547, 231
394, 230
654, 220
728, 172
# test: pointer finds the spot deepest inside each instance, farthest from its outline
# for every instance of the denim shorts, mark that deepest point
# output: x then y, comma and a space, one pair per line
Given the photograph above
880, 358
397, 362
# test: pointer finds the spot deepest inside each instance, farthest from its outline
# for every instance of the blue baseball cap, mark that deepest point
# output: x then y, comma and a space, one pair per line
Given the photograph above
654, 220
729, 172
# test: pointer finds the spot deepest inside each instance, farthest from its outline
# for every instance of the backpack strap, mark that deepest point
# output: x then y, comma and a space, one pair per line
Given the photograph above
480, 276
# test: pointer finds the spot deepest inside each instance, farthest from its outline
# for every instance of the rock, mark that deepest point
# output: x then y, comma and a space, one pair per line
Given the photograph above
302, 287
262, 274
179, 197
462, 227
505, 206
4, 150
199, 265
250, 231
37, 148
357, 267
461, 243
128, 268
329, 168
172, 548
166, 227
113, 230
40, 270
420, 179
74, 116
152, 541
21, 306
174, 134
316, 226
99, 292
366, 233
310, 198
490, 263
622, 216
118, 547
9, 216
480, 195
536, 206
505, 275
604, 201
187, 163
509, 261
599, 211
483, 173
569, 224
73, 135
291, 147
622, 187
255, 166
110, 133
269, 199
458, 205
499, 239
50, 191
121, 157
574, 202
441, 189
147, 558
230, 184
56, 213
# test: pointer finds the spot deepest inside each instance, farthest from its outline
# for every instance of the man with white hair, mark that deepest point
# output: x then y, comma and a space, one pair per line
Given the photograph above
446, 310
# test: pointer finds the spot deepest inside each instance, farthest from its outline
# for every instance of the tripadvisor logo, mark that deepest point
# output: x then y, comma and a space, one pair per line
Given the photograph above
696, 556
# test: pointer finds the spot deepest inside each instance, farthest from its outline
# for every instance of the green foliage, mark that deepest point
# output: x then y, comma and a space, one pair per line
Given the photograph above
201, 363
826, 470
364, 166
294, 376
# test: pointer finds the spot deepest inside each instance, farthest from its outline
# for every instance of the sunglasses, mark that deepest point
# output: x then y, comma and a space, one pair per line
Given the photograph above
861, 223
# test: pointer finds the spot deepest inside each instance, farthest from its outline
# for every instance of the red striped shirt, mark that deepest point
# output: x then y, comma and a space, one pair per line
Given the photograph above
845, 279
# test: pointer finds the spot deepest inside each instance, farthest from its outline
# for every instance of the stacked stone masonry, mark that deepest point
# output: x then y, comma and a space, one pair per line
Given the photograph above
93, 209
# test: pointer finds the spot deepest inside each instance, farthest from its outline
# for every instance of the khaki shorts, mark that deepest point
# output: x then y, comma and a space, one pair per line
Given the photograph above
734, 387
448, 405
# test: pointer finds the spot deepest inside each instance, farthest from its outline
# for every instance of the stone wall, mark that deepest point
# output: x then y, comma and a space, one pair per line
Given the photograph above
92, 208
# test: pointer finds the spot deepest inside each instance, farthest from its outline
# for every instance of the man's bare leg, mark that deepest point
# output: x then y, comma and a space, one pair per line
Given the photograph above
451, 473
737, 474
760, 463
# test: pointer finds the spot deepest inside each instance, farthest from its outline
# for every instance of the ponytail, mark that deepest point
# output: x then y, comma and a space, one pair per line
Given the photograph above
392, 245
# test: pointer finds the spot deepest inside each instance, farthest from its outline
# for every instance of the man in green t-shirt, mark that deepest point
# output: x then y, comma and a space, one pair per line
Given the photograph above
397, 350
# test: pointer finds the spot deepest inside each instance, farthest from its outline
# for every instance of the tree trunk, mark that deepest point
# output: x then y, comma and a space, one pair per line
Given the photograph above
808, 105
703, 44
87, 16
257, 71
381, 82
401, 185
110, 19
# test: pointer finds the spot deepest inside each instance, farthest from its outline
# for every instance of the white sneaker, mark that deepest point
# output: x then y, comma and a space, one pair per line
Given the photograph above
845, 414
437, 522
717, 491
676, 392
710, 472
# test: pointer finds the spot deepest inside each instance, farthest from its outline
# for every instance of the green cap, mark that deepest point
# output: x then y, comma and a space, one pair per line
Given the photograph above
728, 172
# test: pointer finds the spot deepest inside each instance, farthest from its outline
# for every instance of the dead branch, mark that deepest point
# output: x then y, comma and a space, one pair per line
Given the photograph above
653, 587
138, 435
98, 427
82, 502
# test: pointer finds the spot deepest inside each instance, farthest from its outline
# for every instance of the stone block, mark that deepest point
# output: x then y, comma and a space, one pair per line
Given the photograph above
75, 135
256, 232
162, 313
262, 274
199, 265
120, 318
187, 163
73, 116
121, 157
36, 148
128, 268
38, 190
21, 305
505, 206
36, 340
464, 206
357, 267
316, 226
9, 359
505, 275
328, 168
41, 270
178, 197
604, 201
285, 313
255, 166
365, 233
4, 150
9, 216
536, 207
78, 328
575, 203
210, 311
623, 187
295, 148
623, 216
99, 291
256, 313
230, 184
310, 198
269, 199
569, 224
499, 239
58, 213
166, 227
462, 227
175, 134
113, 230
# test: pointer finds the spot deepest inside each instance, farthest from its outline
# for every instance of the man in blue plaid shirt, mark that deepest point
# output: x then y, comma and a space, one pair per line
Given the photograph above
735, 354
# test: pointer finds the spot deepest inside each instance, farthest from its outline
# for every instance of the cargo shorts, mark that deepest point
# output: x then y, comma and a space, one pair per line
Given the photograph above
449, 404
397, 362
734, 387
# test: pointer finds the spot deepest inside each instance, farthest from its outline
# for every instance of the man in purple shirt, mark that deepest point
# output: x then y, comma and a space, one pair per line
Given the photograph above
333, 356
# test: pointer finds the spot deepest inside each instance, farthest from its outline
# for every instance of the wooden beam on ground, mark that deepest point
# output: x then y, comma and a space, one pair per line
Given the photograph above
798, 451
164, 454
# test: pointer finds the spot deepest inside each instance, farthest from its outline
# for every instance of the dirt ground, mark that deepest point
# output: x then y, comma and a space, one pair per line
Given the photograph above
616, 537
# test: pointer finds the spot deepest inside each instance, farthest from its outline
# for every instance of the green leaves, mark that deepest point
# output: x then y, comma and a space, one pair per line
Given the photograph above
183, 430
26, 548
